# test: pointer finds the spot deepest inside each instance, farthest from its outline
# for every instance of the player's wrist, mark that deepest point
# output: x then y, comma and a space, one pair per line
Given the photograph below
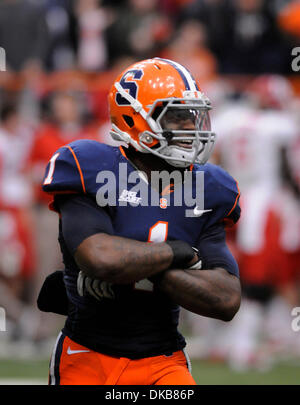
196, 263
183, 253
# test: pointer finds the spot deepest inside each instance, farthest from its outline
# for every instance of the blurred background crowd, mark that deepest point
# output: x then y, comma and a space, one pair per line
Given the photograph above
61, 59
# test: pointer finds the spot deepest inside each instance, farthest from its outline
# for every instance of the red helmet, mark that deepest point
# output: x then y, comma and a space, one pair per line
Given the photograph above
149, 100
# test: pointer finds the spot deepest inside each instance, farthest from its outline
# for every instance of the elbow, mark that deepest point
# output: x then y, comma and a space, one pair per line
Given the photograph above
98, 269
230, 308
97, 266
96, 256
107, 271
228, 315
104, 267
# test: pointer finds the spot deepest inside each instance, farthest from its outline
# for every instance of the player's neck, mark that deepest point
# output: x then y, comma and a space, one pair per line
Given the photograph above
147, 162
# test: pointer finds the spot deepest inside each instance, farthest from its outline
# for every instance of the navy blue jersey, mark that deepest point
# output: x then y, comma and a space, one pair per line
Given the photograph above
139, 321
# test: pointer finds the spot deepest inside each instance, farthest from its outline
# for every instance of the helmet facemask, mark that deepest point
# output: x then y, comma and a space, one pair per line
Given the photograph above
182, 129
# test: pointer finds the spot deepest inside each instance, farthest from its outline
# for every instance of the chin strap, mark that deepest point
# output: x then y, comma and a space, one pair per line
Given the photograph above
119, 135
122, 136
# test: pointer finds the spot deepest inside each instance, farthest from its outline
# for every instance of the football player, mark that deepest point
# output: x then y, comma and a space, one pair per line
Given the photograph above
251, 137
129, 262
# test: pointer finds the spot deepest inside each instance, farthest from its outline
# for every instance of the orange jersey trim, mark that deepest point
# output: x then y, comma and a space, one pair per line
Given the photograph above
236, 200
122, 151
167, 190
51, 203
78, 167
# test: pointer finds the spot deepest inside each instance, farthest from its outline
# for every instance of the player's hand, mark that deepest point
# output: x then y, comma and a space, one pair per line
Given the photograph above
196, 262
183, 254
96, 288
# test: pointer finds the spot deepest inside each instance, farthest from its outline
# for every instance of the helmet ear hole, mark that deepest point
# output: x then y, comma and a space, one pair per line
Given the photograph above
128, 120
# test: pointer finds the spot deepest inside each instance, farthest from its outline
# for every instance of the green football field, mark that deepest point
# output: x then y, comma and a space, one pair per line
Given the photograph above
36, 372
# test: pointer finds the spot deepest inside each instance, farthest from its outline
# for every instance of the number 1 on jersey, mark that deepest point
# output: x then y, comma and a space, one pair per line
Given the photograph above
157, 233
49, 177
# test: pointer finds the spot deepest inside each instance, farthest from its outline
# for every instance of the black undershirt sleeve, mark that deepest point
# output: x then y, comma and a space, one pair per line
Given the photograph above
214, 251
81, 217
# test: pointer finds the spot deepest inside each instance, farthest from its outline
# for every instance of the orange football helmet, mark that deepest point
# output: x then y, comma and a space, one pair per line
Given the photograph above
157, 107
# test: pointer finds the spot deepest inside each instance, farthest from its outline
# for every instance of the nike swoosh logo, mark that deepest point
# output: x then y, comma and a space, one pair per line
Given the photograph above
198, 212
70, 351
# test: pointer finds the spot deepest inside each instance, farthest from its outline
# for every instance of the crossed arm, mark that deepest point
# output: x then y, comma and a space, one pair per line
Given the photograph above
213, 292
121, 260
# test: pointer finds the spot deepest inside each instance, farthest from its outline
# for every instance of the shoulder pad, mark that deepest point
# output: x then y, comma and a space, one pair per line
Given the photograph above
222, 193
74, 167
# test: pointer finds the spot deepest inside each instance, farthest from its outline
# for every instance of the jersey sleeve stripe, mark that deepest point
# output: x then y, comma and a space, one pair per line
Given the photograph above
236, 200
78, 167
